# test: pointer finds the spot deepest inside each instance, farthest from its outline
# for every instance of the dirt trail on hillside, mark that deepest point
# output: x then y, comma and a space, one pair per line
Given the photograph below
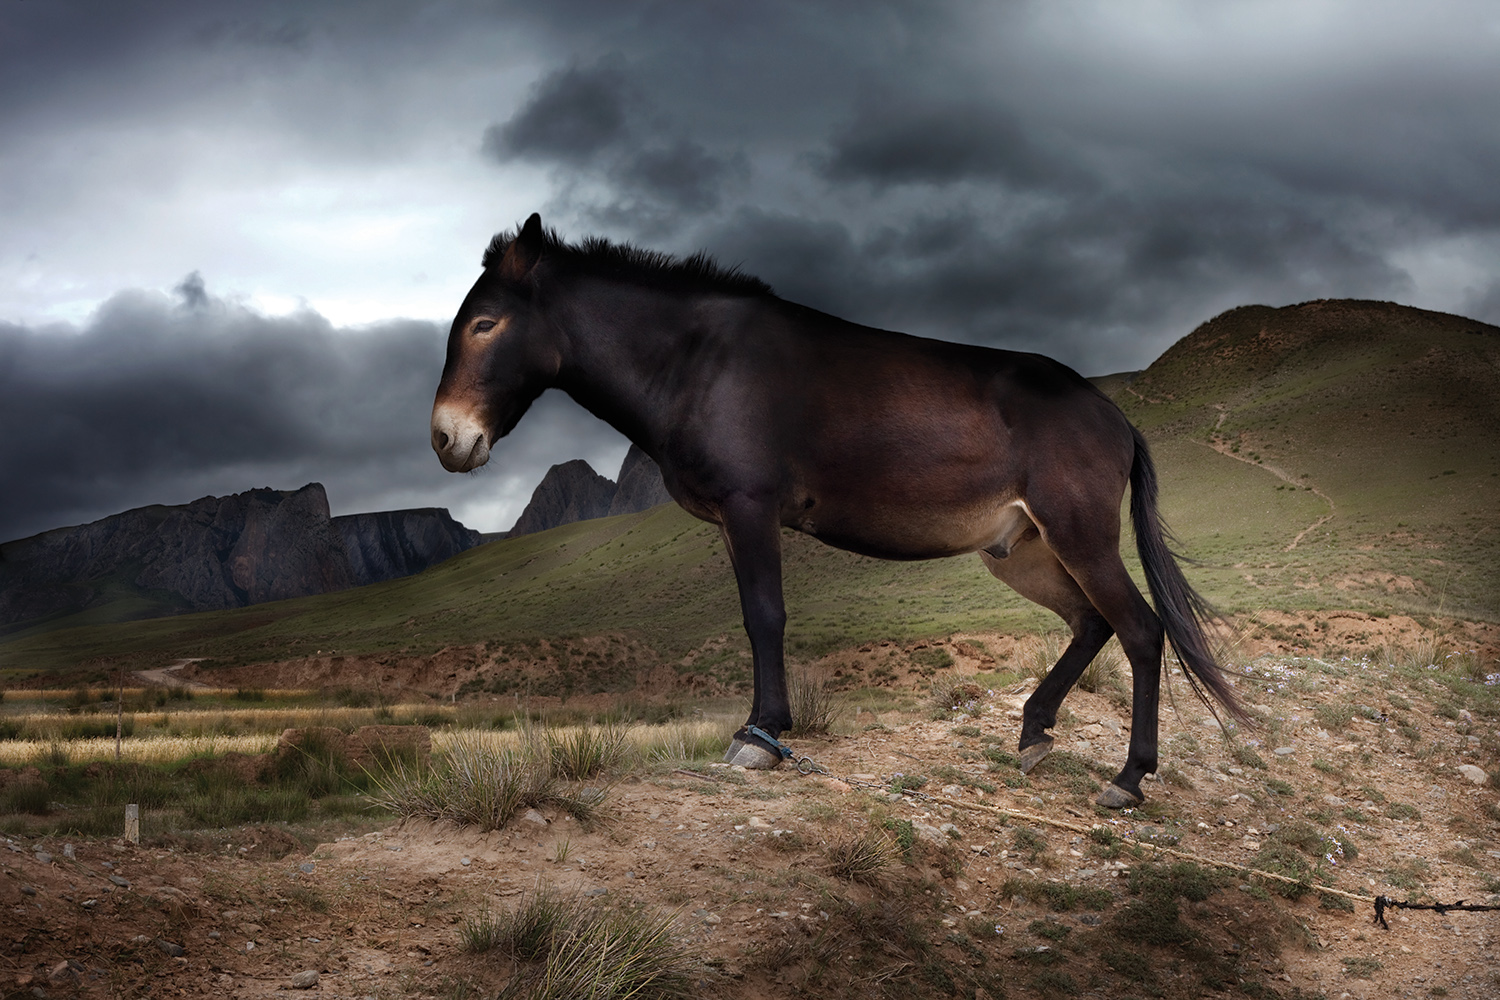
1223, 447
168, 676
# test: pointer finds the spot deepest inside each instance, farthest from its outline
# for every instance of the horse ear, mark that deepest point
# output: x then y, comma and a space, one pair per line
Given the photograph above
523, 252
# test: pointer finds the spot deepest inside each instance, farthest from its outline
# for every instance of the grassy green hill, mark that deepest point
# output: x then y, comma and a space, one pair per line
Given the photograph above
1378, 425
1328, 455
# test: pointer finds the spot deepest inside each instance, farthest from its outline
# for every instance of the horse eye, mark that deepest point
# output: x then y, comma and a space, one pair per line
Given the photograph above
484, 326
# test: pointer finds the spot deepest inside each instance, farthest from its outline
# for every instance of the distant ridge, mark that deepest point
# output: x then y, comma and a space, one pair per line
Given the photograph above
216, 553
573, 491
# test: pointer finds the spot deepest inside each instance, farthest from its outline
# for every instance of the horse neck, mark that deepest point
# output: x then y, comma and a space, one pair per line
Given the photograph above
621, 341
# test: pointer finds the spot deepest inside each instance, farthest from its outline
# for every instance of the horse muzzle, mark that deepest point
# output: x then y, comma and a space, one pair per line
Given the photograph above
459, 440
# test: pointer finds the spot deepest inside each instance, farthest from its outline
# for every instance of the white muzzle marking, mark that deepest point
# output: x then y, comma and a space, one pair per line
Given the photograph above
458, 439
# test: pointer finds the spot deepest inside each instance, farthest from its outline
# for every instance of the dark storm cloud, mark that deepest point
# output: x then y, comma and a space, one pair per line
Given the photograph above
156, 401
942, 143
571, 116
978, 174
592, 124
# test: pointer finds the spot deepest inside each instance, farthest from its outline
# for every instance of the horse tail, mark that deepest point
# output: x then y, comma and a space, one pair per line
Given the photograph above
1182, 610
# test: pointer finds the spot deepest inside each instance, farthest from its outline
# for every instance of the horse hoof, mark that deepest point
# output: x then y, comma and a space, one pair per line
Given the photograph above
1115, 797
1032, 755
750, 754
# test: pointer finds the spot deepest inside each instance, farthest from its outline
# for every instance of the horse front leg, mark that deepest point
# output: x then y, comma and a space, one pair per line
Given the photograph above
752, 534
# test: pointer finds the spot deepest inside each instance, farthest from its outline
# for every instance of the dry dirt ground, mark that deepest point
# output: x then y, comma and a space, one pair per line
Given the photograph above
741, 858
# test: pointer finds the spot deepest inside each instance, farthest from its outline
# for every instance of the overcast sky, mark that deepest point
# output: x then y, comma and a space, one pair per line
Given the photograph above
232, 236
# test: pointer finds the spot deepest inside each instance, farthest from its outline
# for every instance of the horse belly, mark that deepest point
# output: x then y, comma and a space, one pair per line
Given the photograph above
902, 529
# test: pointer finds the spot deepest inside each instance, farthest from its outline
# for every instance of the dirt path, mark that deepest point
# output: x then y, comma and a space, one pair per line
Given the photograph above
1223, 447
167, 676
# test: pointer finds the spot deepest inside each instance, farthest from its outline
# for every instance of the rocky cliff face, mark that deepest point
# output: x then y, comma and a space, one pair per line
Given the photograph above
217, 552
392, 543
573, 491
640, 485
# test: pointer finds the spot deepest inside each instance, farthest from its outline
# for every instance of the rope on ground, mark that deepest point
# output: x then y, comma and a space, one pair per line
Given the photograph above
806, 765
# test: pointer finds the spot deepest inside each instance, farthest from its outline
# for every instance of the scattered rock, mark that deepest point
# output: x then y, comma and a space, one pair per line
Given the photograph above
1333, 800
64, 972
532, 816
307, 867
44, 857
170, 948
1473, 773
305, 980
1284, 751
120, 881
930, 833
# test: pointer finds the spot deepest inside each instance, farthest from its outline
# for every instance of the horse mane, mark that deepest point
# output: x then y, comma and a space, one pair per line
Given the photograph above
698, 272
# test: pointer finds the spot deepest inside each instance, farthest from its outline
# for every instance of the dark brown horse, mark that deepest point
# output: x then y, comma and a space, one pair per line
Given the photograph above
764, 414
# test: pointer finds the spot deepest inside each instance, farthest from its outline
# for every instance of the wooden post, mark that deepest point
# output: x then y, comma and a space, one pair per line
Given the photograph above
133, 823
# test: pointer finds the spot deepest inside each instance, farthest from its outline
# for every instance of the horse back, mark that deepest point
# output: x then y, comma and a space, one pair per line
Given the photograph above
889, 444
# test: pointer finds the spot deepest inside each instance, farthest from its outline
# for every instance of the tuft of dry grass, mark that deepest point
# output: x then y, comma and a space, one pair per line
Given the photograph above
582, 752
1106, 671
956, 696
864, 858
476, 783
1039, 654
815, 706
570, 948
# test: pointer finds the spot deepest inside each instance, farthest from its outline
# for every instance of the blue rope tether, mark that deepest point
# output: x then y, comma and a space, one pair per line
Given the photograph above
761, 734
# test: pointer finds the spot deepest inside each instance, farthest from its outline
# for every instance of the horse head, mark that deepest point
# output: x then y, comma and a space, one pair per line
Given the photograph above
500, 358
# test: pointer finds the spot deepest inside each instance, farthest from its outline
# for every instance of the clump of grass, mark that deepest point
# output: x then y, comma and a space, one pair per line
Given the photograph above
955, 696
1057, 896
1104, 673
585, 752
26, 796
906, 837
815, 706
929, 661
1334, 717
864, 858
1246, 756
1039, 654
477, 783
907, 782
1049, 929
1176, 777
569, 948
685, 741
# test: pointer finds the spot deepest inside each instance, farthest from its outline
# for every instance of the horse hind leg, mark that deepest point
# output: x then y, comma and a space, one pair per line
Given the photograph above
1101, 574
1034, 572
